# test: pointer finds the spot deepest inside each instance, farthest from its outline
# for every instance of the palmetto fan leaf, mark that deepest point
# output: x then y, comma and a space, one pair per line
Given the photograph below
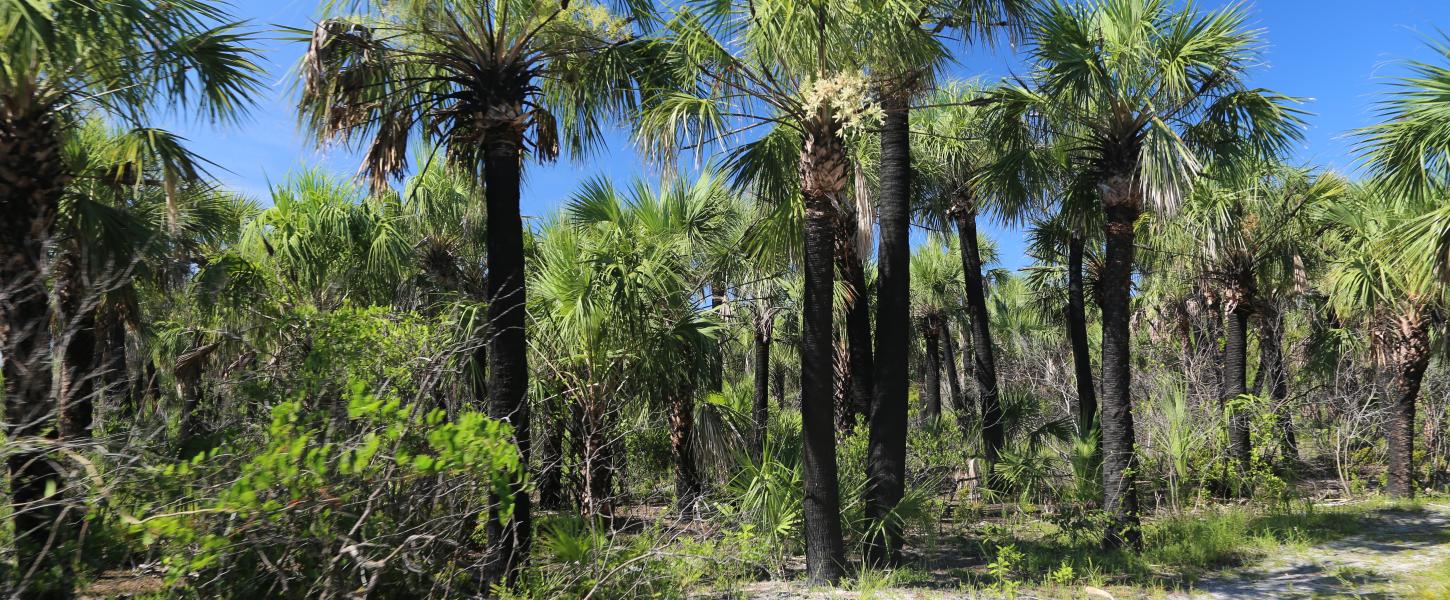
1408, 152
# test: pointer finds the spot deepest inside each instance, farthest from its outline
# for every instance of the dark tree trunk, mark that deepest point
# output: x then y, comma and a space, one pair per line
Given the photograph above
478, 372
551, 462
886, 451
985, 367
1082, 362
115, 375
75, 330
1275, 377
508, 368
1120, 461
949, 361
825, 550
860, 386
1409, 347
687, 477
1235, 383
931, 372
779, 386
760, 412
32, 178
595, 456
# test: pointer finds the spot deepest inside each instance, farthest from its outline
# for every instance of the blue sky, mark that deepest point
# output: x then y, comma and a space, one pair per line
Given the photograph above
1337, 54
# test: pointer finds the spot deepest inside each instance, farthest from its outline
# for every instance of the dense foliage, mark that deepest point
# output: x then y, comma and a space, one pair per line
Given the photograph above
749, 371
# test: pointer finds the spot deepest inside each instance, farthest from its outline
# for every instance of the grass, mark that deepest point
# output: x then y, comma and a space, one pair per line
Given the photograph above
1432, 584
1178, 549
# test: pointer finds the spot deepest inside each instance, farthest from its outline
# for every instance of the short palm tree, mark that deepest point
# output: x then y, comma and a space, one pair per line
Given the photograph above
58, 60
1377, 283
936, 279
1247, 228
1147, 94
489, 84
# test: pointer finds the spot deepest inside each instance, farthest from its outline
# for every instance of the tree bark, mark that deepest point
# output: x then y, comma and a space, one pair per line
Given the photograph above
1275, 376
1409, 346
931, 371
508, 368
687, 477
32, 179
1235, 378
75, 332
949, 362
1120, 461
886, 451
760, 411
860, 386
551, 465
1082, 362
825, 550
985, 365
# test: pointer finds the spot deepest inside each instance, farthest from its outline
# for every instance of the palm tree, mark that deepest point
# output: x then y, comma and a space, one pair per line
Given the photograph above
1377, 282
1246, 227
623, 290
968, 167
122, 59
488, 83
900, 76
734, 68
936, 282
1147, 94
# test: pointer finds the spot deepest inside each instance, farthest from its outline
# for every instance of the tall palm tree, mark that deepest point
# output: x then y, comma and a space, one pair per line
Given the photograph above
968, 168
1148, 94
123, 59
734, 68
899, 77
488, 83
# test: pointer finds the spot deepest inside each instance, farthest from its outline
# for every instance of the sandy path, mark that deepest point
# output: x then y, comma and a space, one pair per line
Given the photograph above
1395, 544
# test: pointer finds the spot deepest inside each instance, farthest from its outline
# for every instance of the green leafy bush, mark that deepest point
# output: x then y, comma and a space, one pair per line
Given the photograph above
324, 506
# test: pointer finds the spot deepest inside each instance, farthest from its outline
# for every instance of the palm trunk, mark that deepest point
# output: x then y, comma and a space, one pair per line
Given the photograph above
508, 368
682, 425
886, 451
1409, 347
823, 168
115, 374
596, 468
1275, 376
32, 177
76, 332
860, 386
778, 388
825, 550
551, 466
1082, 362
985, 367
931, 376
1235, 378
1120, 461
760, 413
949, 361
